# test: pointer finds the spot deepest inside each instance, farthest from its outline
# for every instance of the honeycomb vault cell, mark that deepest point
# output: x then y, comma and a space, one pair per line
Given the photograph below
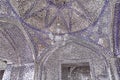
75, 72
65, 15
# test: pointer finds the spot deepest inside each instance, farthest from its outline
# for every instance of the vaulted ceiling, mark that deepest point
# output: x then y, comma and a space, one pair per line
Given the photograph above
27, 27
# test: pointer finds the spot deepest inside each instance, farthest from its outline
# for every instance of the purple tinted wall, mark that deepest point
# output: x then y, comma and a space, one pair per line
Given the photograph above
117, 29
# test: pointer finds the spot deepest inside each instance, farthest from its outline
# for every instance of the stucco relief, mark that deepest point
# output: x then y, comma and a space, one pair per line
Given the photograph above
32, 31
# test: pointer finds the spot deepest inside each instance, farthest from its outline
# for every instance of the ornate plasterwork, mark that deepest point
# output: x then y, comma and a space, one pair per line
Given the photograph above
48, 23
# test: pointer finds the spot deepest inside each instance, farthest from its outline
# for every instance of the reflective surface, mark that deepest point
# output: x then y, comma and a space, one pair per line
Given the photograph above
74, 72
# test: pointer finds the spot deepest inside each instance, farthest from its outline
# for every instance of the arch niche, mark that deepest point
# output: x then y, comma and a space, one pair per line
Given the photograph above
69, 59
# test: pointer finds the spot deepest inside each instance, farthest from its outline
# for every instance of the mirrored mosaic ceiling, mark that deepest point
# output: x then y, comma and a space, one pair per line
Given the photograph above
28, 28
45, 22
58, 16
